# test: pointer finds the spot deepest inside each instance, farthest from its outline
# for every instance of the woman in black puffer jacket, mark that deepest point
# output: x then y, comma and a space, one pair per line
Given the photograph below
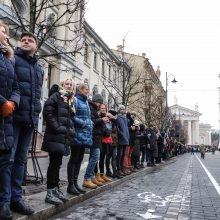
58, 112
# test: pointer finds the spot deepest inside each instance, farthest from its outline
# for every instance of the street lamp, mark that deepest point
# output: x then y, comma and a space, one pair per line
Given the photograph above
173, 81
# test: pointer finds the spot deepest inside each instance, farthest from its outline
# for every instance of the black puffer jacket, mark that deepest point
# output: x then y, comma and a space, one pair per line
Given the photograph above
59, 125
98, 126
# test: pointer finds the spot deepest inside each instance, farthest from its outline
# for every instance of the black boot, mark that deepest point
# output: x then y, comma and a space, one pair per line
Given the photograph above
5, 212
75, 178
71, 189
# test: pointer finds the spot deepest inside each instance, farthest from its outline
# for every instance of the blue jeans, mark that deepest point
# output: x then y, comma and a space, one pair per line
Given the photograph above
93, 159
6, 163
22, 140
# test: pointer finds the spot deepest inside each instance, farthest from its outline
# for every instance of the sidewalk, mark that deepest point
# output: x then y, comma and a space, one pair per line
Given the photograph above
35, 194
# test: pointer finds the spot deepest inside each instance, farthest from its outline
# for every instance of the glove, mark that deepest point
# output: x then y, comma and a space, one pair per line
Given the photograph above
7, 108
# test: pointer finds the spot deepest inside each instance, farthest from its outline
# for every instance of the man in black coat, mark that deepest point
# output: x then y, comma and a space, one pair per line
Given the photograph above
98, 123
30, 79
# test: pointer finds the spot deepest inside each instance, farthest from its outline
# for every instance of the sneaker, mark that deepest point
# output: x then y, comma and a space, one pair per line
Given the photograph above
52, 198
21, 208
59, 194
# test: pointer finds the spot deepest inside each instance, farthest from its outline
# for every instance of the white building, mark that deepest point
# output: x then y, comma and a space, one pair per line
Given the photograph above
190, 122
205, 133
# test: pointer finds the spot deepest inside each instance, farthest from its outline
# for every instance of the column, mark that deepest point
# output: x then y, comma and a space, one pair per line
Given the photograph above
189, 132
197, 131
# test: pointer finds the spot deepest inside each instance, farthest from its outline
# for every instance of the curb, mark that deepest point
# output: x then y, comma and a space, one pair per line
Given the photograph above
44, 210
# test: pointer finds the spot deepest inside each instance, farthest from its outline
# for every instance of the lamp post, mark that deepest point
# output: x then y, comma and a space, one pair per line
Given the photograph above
173, 81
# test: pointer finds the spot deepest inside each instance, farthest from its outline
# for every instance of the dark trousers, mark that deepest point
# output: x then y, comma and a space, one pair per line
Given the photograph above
74, 164
53, 170
22, 140
120, 156
111, 156
143, 154
104, 151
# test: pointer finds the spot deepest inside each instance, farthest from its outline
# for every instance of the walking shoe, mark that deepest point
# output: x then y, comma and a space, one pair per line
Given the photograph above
89, 184
52, 198
95, 181
5, 212
109, 174
99, 178
71, 189
105, 178
21, 208
58, 193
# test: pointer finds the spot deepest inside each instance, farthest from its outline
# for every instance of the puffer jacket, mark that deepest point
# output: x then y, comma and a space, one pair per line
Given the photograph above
59, 132
98, 128
82, 122
30, 80
9, 90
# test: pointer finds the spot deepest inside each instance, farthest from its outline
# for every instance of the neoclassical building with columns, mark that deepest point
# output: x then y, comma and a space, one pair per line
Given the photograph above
189, 120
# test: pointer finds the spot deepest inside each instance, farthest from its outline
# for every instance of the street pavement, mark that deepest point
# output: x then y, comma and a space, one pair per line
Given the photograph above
179, 190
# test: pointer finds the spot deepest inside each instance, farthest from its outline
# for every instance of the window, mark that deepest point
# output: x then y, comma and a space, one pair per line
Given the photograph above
109, 72
95, 61
115, 77
103, 67
86, 53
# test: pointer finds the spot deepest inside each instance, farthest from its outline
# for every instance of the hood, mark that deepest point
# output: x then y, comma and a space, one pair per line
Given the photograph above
53, 89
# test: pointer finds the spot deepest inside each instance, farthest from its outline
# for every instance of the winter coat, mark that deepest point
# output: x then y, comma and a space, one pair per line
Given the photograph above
137, 143
82, 122
59, 125
30, 80
98, 124
123, 133
9, 90
114, 134
131, 132
152, 140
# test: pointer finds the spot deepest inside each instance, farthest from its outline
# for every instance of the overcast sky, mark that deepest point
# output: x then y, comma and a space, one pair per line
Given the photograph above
181, 36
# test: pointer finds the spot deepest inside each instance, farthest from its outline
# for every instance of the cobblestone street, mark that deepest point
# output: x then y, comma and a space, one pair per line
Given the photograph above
180, 190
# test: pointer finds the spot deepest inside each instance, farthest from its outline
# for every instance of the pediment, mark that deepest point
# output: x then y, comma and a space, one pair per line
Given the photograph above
180, 110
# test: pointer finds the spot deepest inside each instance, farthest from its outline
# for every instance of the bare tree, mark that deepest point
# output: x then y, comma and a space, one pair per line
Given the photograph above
57, 24
123, 87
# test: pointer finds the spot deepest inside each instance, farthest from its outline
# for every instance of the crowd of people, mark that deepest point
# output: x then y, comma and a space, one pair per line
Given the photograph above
118, 143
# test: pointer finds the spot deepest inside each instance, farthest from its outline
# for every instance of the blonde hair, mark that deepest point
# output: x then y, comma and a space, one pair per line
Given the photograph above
10, 51
82, 86
62, 83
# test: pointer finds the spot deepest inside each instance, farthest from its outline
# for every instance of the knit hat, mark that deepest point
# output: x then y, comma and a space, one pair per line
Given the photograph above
120, 107
97, 98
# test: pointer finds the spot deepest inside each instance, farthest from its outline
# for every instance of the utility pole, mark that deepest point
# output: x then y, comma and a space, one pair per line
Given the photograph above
123, 71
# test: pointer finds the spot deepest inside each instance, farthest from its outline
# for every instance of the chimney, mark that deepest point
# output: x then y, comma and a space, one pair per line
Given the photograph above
144, 55
120, 48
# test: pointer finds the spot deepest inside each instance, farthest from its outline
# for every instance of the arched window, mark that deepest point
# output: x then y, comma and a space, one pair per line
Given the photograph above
21, 6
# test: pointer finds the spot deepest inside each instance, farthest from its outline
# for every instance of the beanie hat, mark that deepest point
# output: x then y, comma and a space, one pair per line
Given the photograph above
121, 106
97, 98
